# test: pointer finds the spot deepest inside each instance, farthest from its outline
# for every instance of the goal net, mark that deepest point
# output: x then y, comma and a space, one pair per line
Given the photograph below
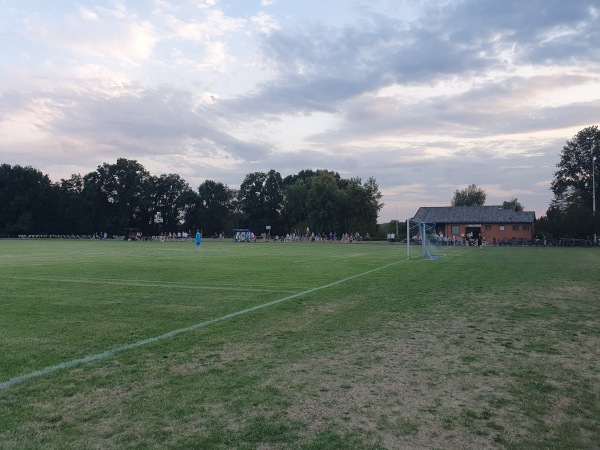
423, 240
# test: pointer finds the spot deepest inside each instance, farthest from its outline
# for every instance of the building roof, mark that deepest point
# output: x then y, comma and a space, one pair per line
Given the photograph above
473, 214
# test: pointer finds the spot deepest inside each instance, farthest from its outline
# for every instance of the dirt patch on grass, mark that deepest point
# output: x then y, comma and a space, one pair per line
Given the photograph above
409, 392
87, 403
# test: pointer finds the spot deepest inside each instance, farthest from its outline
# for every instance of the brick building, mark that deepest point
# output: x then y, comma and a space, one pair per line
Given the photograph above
496, 223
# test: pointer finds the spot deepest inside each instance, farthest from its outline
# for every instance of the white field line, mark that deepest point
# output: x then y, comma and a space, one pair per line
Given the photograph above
141, 283
108, 353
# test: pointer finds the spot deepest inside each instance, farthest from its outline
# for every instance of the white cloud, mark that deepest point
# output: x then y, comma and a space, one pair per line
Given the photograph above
206, 4
265, 23
210, 25
87, 14
126, 41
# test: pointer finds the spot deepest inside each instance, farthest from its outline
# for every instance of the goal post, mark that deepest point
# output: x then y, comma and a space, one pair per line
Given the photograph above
423, 240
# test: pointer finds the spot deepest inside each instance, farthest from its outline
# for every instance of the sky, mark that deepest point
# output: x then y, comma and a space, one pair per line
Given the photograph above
425, 96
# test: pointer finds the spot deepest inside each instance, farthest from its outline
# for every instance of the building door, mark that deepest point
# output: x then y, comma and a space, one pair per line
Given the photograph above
476, 230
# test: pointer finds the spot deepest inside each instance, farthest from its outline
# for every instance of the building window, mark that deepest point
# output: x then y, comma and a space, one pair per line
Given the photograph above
501, 227
515, 227
525, 227
455, 229
488, 228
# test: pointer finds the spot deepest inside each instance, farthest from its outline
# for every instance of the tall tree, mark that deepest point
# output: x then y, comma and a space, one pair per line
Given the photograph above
251, 200
123, 185
273, 200
571, 211
361, 206
470, 196
565, 220
99, 206
261, 199
372, 205
167, 195
303, 175
212, 212
238, 217
294, 211
323, 202
574, 175
77, 210
29, 202
353, 204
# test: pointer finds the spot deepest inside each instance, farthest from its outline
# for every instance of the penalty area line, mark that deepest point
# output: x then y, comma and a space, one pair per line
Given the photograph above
108, 353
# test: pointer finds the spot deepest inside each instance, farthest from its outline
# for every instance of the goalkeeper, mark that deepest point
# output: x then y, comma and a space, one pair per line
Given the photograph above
198, 240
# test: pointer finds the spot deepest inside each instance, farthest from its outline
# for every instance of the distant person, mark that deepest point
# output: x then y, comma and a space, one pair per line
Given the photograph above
198, 240
480, 241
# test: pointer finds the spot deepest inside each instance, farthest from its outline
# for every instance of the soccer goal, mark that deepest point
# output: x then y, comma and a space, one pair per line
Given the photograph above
422, 240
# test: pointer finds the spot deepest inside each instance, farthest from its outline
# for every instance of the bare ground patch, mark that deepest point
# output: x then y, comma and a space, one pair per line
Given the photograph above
450, 388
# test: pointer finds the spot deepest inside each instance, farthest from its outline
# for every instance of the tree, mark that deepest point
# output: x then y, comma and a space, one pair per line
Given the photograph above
571, 211
76, 208
470, 196
236, 212
167, 195
214, 206
361, 205
565, 220
323, 202
304, 175
273, 200
294, 211
29, 202
514, 203
573, 181
261, 200
122, 186
372, 205
92, 196
250, 199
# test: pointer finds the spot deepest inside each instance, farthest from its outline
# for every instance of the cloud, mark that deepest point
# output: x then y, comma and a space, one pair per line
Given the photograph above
127, 40
133, 121
207, 26
87, 14
265, 23
319, 67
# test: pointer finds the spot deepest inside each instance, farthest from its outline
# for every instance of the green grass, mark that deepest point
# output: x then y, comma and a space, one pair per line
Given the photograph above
498, 348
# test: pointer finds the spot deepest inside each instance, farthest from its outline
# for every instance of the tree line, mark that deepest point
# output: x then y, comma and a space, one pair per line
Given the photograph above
125, 195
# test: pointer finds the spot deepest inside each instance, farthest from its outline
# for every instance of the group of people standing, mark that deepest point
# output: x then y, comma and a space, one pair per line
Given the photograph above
182, 235
477, 240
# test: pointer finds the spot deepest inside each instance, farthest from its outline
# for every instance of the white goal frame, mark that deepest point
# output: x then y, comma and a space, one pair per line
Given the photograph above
430, 250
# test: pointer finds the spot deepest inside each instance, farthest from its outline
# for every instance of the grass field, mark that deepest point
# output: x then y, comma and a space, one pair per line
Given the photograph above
299, 346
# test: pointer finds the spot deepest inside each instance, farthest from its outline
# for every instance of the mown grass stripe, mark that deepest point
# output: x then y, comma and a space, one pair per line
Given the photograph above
108, 353
141, 283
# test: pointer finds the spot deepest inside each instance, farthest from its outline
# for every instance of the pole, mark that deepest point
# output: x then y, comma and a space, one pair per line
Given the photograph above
594, 196
408, 238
